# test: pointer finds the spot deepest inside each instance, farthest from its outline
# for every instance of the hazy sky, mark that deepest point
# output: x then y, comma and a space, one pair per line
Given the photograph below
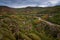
25, 3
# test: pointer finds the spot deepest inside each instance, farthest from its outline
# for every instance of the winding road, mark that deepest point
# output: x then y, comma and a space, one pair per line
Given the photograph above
47, 22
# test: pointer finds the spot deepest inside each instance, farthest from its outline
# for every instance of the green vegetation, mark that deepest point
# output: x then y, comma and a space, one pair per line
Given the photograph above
55, 19
24, 23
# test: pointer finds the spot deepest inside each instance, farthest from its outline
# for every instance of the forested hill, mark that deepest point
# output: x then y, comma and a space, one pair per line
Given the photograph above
30, 23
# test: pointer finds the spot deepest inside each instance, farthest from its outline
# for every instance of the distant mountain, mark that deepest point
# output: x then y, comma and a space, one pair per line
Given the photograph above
38, 10
6, 10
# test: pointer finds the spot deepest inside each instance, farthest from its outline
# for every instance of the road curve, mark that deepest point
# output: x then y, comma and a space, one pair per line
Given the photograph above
47, 22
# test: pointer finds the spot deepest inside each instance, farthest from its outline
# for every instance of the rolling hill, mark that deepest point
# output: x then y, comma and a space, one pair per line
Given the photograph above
30, 23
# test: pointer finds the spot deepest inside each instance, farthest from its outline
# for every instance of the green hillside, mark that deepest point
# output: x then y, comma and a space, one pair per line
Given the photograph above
25, 23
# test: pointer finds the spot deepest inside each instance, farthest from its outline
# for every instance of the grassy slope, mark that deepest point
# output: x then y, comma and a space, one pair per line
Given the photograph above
14, 25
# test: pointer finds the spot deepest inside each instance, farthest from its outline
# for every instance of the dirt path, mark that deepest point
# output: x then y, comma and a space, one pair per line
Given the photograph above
47, 22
